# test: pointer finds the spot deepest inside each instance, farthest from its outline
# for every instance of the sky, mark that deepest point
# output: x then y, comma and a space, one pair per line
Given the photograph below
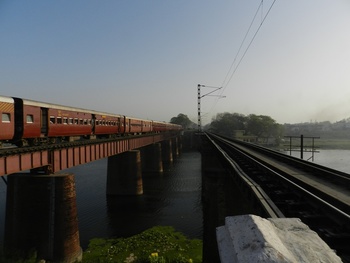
145, 58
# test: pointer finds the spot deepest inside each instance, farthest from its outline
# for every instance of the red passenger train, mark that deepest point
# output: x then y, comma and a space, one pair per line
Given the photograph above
27, 122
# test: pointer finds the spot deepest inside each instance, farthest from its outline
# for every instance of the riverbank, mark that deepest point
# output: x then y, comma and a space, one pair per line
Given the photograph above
159, 244
321, 143
341, 144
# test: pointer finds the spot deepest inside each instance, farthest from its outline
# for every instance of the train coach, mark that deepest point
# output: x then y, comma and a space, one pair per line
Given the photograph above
27, 122
7, 124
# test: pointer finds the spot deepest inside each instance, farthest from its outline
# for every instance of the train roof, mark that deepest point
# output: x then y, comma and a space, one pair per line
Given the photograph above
6, 99
62, 107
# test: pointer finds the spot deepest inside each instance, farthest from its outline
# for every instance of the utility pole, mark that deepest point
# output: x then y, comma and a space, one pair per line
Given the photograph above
199, 96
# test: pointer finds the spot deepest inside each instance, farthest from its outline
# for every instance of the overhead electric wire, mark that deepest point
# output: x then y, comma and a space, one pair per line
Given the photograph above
240, 47
246, 50
250, 43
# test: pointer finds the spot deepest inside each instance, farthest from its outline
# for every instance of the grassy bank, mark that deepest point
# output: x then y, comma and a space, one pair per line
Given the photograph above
158, 244
322, 143
343, 144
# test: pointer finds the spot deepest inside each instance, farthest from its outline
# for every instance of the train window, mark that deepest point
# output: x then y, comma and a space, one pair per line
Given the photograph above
65, 120
30, 118
52, 119
6, 117
89, 122
81, 122
85, 122
59, 120
70, 121
76, 121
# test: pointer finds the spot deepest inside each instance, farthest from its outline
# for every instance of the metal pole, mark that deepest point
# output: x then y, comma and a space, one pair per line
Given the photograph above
301, 147
199, 109
313, 148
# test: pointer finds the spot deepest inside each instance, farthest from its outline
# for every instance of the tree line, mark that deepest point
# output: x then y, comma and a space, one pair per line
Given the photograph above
265, 128
262, 127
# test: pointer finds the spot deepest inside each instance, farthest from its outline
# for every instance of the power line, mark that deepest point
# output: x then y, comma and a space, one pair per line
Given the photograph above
246, 50
250, 43
239, 49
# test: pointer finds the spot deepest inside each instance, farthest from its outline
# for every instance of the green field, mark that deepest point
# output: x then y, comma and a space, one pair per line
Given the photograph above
343, 144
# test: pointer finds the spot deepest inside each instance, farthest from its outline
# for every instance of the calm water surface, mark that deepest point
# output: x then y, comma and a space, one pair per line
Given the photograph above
172, 198
336, 159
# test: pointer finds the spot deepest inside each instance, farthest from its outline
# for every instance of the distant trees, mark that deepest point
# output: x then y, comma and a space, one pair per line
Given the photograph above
183, 120
324, 129
261, 126
226, 123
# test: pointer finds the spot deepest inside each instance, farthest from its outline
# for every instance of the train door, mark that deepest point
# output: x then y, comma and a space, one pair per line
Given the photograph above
44, 121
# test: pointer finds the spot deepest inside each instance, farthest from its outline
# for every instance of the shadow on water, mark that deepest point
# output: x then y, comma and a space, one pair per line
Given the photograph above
171, 198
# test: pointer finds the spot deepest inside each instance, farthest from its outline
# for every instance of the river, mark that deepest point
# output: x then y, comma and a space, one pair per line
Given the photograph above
336, 159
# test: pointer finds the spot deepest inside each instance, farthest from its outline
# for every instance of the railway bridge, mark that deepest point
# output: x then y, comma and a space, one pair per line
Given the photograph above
238, 179
41, 211
244, 178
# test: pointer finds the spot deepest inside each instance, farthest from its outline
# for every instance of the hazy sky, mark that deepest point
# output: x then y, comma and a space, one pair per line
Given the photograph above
144, 58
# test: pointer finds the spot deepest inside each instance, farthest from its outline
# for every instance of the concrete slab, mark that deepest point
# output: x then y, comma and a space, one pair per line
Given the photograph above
250, 238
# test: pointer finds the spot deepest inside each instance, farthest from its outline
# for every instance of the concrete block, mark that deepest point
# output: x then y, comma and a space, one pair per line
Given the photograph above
250, 238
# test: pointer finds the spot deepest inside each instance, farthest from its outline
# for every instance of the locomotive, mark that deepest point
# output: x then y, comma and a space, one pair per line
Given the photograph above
27, 123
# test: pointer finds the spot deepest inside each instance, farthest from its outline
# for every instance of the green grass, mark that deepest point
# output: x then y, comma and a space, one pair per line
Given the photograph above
343, 144
158, 244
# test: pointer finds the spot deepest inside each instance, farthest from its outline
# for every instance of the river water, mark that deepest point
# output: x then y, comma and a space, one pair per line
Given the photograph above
171, 199
336, 159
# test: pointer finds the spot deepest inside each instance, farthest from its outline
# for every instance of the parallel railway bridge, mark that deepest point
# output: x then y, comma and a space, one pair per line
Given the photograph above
41, 212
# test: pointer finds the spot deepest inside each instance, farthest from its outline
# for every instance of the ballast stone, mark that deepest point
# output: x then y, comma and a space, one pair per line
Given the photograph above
250, 238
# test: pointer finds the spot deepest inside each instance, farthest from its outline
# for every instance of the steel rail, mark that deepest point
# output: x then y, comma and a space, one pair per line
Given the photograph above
302, 189
269, 207
328, 219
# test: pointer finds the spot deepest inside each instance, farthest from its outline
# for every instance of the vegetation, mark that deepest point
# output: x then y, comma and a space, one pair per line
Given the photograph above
265, 130
260, 126
158, 244
183, 120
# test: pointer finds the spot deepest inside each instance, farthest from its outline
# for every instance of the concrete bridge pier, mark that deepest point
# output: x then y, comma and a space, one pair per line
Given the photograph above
167, 152
124, 174
41, 218
176, 146
152, 158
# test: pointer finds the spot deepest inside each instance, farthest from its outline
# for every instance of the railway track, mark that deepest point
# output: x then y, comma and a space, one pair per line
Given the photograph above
318, 195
